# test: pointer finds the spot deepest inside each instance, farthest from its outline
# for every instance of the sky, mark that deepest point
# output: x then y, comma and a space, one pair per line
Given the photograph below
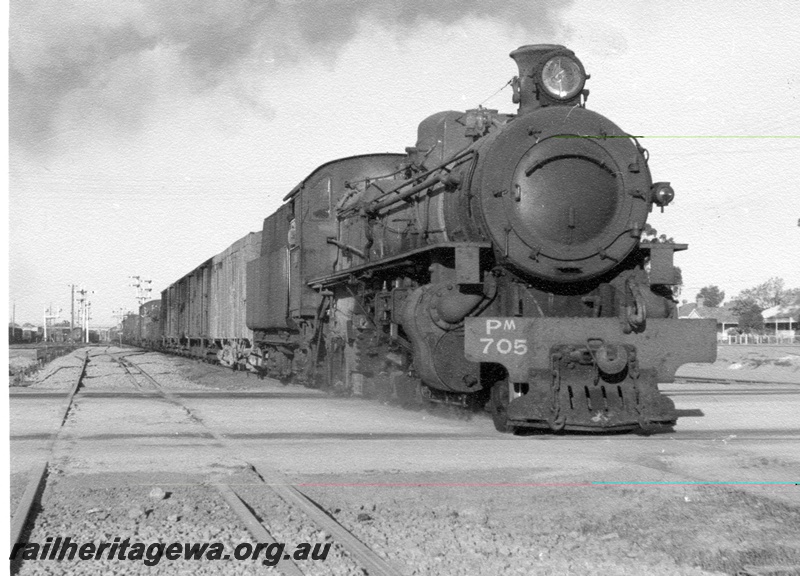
145, 137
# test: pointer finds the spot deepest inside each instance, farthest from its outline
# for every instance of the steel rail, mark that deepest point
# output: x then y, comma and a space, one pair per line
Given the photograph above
39, 472
707, 380
126, 366
369, 560
739, 392
775, 389
256, 529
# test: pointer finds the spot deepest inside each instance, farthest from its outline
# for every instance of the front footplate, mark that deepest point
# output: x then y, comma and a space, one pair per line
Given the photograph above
586, 373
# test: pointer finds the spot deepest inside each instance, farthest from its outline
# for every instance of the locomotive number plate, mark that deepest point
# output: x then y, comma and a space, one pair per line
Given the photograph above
502, 340
521, 344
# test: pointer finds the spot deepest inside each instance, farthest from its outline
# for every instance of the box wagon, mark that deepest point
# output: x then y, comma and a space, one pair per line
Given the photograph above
203, 313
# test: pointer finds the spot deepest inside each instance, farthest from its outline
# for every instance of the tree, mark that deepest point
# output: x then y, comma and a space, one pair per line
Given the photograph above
678, 286
712, 296
770, 293
650, 234
749, 312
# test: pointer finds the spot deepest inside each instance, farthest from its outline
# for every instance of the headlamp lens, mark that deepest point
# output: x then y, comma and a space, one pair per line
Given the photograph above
562, 77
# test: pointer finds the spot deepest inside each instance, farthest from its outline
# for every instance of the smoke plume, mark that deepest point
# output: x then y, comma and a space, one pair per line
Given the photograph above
77, 63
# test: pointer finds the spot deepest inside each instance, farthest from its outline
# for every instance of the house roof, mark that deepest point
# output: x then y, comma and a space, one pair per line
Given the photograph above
776, 312
726, 314
720, 314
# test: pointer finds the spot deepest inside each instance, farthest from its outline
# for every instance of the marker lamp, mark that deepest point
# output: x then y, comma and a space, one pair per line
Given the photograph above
663, 193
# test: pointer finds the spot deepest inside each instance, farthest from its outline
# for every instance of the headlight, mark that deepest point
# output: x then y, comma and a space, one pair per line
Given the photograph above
563, 77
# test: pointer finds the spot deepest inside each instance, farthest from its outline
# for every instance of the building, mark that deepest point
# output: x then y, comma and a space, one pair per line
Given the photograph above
782, 321
727, 320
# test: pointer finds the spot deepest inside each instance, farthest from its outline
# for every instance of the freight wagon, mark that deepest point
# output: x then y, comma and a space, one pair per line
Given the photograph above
203, 313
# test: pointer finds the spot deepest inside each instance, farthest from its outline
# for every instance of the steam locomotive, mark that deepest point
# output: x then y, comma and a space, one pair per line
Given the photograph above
498, 263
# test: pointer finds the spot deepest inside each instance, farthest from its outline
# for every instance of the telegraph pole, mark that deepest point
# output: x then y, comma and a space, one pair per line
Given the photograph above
72, 317
87, 317
81, 300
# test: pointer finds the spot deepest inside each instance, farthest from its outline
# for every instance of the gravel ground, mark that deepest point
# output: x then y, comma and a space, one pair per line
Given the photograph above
23, 361
105, 372
215, 377
60, 374
426, 525
458, 529
180, 509
163, 369
470, 519
100, 508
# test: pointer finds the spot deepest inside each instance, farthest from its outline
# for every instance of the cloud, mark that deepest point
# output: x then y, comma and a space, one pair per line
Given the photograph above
79, 65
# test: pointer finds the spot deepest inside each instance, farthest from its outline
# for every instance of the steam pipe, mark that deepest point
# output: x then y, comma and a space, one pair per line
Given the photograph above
376, 206
383, 201
347, 248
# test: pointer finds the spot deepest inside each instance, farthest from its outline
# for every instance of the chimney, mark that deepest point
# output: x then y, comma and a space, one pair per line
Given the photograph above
701, 302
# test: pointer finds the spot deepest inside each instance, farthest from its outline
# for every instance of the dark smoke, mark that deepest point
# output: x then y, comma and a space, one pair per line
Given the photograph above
79, 63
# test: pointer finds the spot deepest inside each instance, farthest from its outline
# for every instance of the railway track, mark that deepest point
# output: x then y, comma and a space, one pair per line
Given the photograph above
39, 471
407, 469
145, 393
147, 386
694, 380
272, 478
